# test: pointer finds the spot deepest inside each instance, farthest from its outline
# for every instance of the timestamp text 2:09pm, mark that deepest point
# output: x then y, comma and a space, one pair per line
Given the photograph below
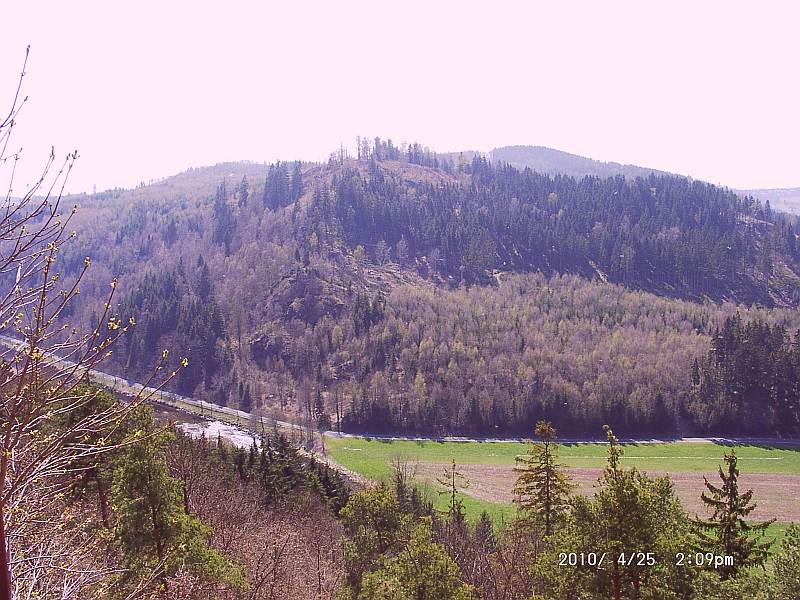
703, 559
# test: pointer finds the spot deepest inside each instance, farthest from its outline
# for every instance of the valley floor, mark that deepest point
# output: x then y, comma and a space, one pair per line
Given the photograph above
771, 469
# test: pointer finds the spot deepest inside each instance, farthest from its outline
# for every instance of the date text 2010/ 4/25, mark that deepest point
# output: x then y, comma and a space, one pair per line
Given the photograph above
642, 559
598, 559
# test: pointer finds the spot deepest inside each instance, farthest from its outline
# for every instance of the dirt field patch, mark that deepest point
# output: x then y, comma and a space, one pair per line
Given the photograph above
775, 494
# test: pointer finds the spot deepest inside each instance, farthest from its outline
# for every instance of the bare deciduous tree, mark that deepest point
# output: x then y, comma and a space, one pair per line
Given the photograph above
45, 430
381, 252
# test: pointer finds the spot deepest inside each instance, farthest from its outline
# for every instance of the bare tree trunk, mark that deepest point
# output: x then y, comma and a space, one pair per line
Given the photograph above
338, 412
102, 500
42, 370
5, 573
161, 551
186, 499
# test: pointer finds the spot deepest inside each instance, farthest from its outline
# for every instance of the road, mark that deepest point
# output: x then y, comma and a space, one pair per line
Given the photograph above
126, 386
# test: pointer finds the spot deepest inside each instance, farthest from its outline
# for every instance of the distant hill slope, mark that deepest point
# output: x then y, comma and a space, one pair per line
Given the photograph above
552, 162
783, 199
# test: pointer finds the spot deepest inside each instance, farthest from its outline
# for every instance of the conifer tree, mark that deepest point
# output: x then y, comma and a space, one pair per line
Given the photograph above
636, 522
542, 489
223, 224
276, 187
422, 570
484, 532
323, 420
95, 472
727, 532
381, 252
153, 529
787, 565
204, 285
411, 500
454, 482
297, 182
374, 525
244, 192
401, 251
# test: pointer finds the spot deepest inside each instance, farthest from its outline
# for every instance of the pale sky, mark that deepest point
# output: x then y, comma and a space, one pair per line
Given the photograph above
147, 89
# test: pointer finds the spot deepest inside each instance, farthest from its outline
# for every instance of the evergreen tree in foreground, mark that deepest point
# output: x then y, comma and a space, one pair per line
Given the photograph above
422, 570
454, 481
374, 526
636, 523
726, 532
484, 531
542, 489
155, 533
787, 565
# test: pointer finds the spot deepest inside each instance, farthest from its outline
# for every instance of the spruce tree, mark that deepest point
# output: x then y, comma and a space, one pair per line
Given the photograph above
727, 532
154, 531
223, 219
636, 523
204, 285
244, 192
246, 402
454, 481
542, 488
276, 187
484, 532
296, 182
322, 418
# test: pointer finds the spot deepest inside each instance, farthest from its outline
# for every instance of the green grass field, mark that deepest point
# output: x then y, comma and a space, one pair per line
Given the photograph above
778, 531
372, 459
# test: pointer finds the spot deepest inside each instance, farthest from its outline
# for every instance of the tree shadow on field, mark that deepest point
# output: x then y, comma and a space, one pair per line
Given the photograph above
789, 445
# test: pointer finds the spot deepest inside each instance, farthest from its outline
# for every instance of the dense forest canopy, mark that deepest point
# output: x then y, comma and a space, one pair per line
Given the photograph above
663, 233
403, 290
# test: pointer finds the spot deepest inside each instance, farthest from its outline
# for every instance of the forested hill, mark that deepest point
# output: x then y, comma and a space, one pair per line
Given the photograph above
408, 291
664, 234
557, 162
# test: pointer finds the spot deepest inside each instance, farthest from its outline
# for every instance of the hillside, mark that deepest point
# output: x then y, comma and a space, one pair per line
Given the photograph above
404, 292
477, 218
557, 162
